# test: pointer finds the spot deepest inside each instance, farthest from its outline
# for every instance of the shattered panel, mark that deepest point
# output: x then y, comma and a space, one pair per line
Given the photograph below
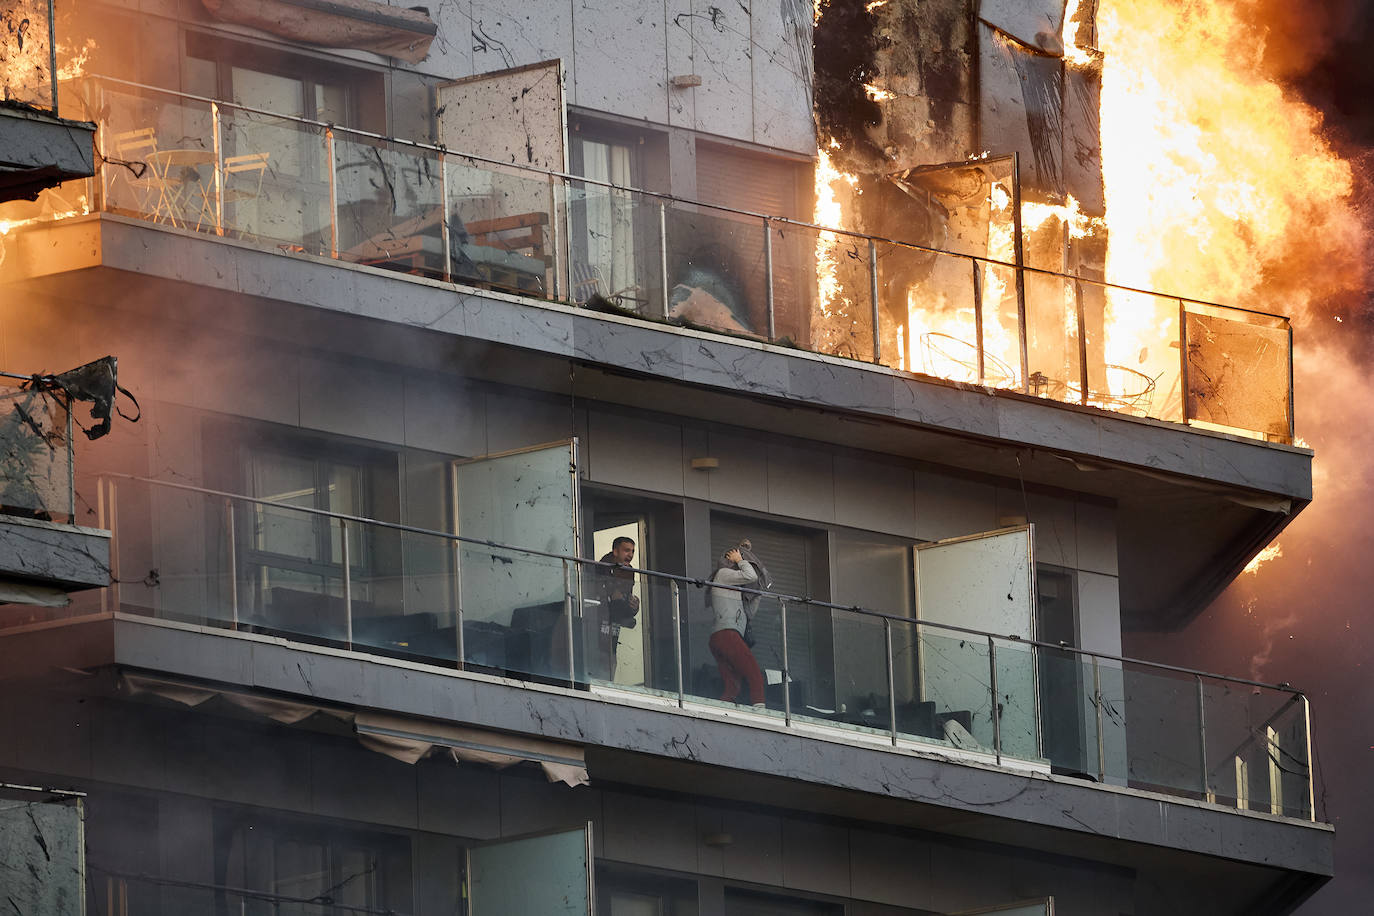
1238, 374
42, 858
780, 47
1083, 138
1022, 109
34, 458
513, 116
1037, 23
26, 53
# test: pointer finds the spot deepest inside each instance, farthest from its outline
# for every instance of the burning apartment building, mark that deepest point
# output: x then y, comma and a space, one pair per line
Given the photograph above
469, 341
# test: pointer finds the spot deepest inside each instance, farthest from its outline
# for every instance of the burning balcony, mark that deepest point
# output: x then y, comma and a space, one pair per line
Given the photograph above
44, 553
962, 678
988, 318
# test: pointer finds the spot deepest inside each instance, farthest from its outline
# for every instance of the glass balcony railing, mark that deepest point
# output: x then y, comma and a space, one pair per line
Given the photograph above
304, 186
36, 468
262, 566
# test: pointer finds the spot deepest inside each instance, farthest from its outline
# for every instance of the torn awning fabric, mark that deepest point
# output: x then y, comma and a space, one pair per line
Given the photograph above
364, 25
406, 739
409, 740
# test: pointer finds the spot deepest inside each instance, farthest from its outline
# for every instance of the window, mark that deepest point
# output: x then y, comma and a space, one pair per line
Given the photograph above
283, 862
606, 228
296, 549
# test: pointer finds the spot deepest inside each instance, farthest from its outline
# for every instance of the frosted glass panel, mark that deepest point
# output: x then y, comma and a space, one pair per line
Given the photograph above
523, 500
983, 583
543, 874
42, 847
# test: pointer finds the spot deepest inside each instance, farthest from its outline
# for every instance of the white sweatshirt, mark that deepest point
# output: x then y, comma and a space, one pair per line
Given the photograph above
728, 605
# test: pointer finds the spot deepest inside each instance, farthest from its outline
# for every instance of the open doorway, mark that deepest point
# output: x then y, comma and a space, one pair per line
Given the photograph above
627, 656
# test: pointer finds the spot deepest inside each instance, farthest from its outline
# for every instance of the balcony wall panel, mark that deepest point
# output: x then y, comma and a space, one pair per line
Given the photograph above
338, 768
875, 495
756, 853
953, 506
742, 478
1096, 537
352, 400
516, 421
469, 806
648, 831
620, 50
801, 482
815, 857
890, 869
444, 415
635, 452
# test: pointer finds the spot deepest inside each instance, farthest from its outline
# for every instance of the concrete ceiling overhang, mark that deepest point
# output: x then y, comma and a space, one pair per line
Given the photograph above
1193, 506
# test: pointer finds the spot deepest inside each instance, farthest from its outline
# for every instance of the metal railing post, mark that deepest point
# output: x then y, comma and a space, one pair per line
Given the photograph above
445, 232
568, 613
458, 604
1183, 359
102, 521
333, 193
104, 185
114, 547
1101, 742
1202, 739
52, 55
768, 269
663, 253
978, 319
559, 258
996, 713
1019, 252
347, 583
71, 469
1307, 731
891, 681
1292, 407
231, 527
873, 295
217, 135
1082, 342
677, 638
568, 225
786, 667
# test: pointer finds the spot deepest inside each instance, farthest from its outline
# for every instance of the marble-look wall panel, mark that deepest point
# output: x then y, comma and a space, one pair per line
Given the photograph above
757, 851
1099, 613
720, 35
781, 53
1056, 531
683, 55
504, 35
516, 420
450, 54
621, 59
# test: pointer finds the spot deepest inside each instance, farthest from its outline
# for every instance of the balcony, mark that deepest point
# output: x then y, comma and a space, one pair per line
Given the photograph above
44, 554
303, 187
261, 568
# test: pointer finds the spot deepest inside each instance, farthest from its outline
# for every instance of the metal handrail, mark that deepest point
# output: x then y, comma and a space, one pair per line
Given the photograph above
702, 583
662, 196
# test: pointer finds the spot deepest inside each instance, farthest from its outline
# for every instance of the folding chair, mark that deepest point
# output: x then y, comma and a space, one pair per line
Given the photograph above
235, 179
137, 148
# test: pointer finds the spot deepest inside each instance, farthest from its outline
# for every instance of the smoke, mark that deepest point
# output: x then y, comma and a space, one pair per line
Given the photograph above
1303, 617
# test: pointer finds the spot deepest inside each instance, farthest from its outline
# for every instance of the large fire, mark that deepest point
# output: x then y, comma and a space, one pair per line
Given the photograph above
1218, 186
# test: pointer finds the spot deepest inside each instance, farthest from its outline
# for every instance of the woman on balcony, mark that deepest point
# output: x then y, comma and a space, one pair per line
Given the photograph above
732, 614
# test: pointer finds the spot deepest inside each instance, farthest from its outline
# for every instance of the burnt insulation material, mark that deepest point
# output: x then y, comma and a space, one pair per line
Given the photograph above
845, 44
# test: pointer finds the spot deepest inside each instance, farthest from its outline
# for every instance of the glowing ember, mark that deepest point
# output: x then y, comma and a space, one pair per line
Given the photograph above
877, 93
1272, 552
